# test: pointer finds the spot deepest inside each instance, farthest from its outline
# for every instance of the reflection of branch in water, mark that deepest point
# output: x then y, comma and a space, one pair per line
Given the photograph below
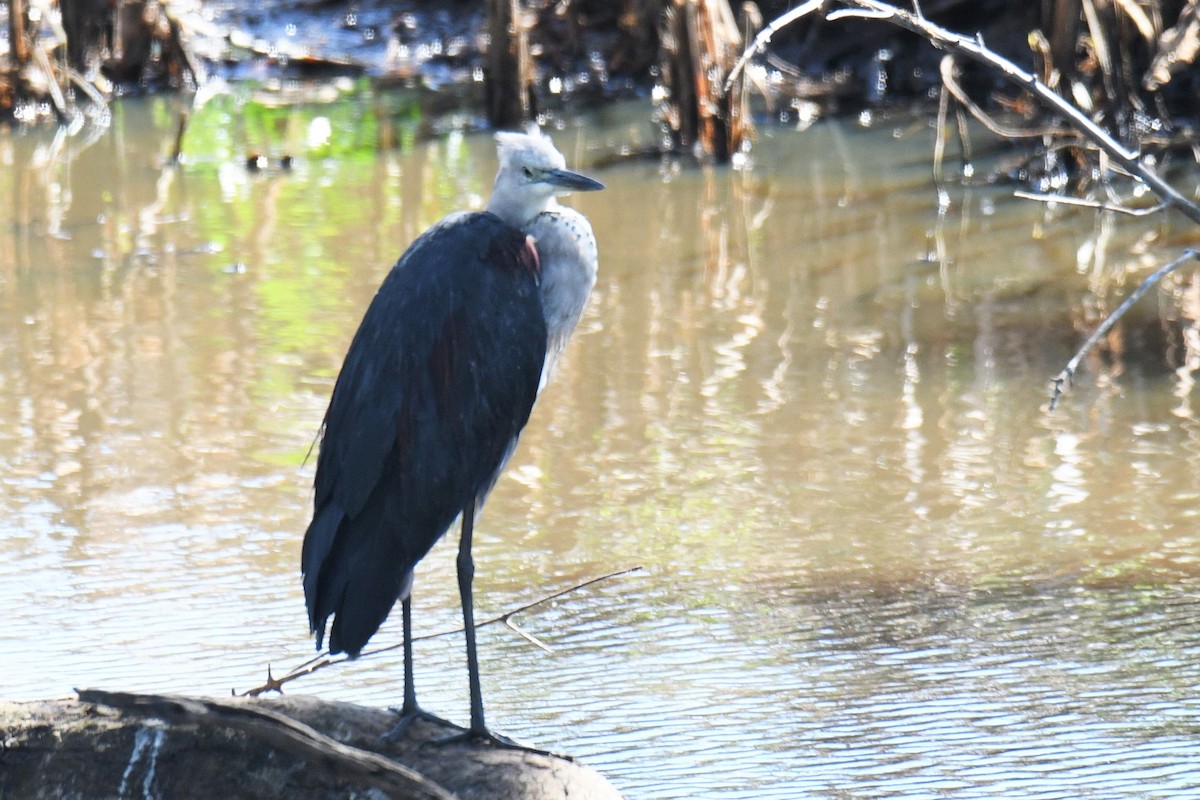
736, 290
1064, 378
274, 684
1189, 359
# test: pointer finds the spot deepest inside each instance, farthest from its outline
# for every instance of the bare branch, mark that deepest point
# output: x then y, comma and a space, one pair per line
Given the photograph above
529, 637
1063, 379
764, 37
1138, 17
948, 69
1084, 202
1114, 156
975, 49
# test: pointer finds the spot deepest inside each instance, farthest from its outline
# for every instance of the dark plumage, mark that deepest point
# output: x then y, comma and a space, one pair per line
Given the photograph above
436, 386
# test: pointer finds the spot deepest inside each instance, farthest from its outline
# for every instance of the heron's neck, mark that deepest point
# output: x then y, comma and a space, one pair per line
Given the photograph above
517, 208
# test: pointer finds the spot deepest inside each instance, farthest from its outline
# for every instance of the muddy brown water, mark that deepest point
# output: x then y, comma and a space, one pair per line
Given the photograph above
806, 403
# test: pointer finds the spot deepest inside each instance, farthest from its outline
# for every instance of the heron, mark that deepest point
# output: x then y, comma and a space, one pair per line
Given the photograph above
438, 383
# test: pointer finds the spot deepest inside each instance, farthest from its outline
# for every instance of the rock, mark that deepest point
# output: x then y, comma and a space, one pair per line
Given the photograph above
111, 744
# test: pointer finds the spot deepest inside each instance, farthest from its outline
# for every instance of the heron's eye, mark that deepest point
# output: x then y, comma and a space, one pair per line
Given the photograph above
527, 171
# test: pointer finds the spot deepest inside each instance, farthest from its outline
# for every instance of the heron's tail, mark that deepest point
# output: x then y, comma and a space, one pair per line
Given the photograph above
353, 572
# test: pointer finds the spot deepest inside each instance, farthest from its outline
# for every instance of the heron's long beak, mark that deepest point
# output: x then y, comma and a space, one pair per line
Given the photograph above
571, 181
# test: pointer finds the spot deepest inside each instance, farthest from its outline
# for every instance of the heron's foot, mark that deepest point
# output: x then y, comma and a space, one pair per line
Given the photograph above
486, 738
408, 714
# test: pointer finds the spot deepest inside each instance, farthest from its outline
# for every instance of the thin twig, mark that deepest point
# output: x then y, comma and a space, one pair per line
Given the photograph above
949, 74
64, 113
764, 38
1064, 378
1138, 17
1084, 202
939, 141
84, 85
324, 660
529, 637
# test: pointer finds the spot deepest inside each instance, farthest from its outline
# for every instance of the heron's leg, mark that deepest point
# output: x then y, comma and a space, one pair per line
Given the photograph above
466, 575
409, 711
478, 732
410, 688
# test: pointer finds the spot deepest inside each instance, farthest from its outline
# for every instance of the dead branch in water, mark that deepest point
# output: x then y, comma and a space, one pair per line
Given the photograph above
1083, 202
973, 47
1064, 378
1122, 157
324, 660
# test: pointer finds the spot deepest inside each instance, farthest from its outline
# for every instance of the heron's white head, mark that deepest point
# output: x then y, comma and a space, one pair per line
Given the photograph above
531, 173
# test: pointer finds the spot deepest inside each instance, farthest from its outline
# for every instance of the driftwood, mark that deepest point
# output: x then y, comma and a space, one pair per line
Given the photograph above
115, 744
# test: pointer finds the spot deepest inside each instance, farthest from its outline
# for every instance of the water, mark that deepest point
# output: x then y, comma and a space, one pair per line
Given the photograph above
808, 405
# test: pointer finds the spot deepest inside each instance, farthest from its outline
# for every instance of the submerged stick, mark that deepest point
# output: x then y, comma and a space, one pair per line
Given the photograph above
1068, 373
